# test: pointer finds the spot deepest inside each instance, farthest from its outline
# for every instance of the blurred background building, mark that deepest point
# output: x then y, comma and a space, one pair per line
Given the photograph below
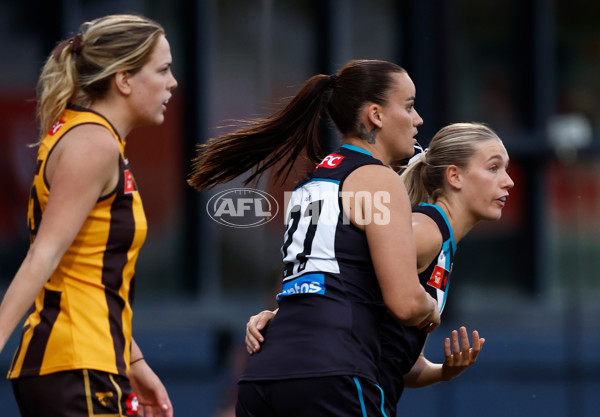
529, 283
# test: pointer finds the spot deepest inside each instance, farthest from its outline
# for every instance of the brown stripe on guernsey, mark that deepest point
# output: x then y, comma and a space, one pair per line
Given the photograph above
41, 333
121, 234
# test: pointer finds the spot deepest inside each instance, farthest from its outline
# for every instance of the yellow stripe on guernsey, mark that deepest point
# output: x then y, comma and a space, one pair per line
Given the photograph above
82, 317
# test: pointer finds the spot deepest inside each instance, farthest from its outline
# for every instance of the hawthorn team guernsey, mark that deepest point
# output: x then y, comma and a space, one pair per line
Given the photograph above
402, 345
330, 305
82, 317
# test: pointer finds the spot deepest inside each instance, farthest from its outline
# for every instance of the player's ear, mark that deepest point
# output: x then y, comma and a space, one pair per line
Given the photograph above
374, 115
122, 82
454, 177
370, 116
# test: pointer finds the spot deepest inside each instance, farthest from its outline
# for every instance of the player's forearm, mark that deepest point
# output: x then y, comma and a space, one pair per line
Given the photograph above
423, 373
21, 294
136, 352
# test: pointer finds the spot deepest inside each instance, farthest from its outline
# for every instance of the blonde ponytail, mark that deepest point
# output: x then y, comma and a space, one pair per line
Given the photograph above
57, 86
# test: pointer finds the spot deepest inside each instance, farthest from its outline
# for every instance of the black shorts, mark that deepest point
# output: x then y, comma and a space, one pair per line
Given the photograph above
78, 393
340, 396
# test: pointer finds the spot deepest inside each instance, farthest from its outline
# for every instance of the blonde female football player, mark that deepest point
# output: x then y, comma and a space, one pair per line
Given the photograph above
77, 356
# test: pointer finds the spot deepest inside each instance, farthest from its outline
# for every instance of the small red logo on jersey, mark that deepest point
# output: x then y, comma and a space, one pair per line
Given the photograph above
133, 405
56, 127
439, 278
330, 161
129, 182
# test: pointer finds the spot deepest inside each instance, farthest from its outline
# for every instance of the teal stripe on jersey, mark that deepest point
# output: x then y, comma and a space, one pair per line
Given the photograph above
356, 149
439, 209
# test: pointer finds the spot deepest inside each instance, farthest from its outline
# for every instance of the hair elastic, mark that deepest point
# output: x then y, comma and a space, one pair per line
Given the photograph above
74, 41
419, 153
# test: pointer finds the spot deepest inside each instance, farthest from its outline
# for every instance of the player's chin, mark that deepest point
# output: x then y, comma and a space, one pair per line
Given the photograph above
494, 215
160, 117
157, 120
403, 154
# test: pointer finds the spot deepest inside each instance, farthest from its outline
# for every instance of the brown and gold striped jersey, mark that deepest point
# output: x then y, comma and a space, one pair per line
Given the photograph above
82, 317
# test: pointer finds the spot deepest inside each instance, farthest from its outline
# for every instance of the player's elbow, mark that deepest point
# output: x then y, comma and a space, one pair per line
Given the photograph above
411, 311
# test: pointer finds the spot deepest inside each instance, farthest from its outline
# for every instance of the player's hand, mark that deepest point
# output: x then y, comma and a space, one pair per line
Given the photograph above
458, 358
150, 391
253, 335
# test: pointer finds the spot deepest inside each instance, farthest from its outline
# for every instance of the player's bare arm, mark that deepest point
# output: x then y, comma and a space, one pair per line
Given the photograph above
459, 355
81, 169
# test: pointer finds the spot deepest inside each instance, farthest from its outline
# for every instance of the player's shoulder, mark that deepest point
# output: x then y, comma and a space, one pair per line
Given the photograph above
428, 237
88, 148
90, 137
376, 176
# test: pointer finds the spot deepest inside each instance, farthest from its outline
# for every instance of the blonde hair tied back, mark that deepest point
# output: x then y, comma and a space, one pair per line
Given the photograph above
455, 144
104, 46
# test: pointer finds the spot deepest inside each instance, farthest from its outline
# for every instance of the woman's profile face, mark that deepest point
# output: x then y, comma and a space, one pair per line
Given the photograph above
399, 118
486, 181
152, 85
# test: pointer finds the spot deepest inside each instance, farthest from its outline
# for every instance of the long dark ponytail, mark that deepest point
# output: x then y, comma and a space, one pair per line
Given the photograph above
277, 140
